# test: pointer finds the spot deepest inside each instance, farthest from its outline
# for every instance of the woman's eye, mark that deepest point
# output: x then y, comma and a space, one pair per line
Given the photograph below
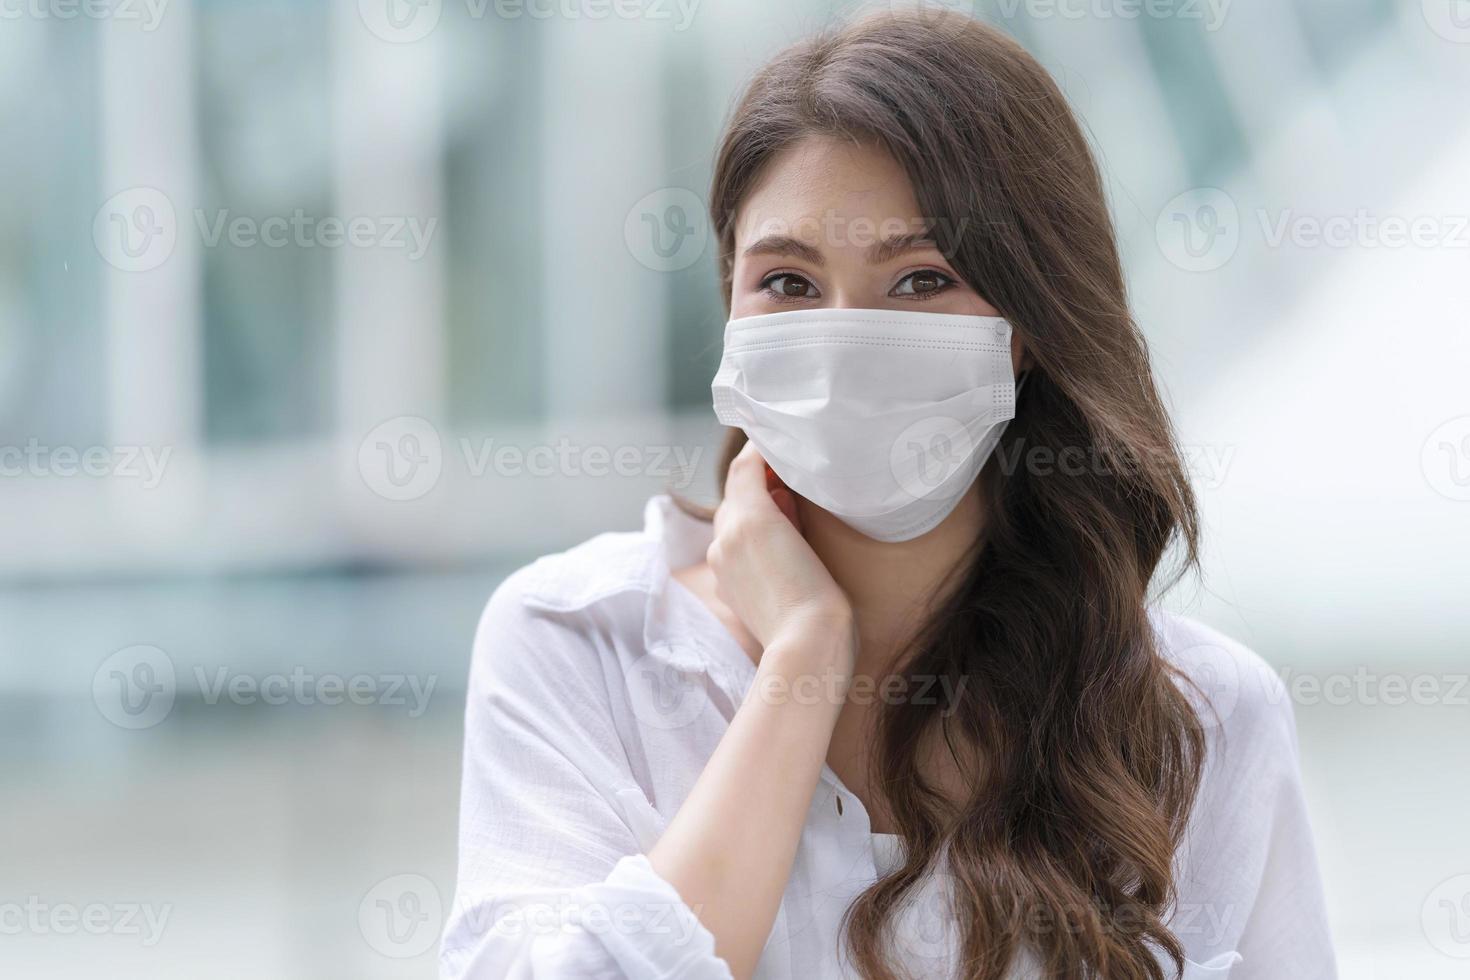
925, 282
787, 285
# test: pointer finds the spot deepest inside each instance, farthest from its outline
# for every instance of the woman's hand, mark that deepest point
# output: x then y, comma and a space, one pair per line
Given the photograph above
764, 569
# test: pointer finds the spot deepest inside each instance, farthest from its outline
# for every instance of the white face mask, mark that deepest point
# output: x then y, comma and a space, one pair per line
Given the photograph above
881, 417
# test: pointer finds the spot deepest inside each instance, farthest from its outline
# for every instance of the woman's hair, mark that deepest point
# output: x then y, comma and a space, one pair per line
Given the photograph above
1081, 750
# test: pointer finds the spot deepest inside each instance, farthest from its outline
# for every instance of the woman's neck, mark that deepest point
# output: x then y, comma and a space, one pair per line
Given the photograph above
892, 586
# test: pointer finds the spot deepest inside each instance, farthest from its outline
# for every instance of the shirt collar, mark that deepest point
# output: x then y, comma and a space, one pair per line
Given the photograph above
677, 626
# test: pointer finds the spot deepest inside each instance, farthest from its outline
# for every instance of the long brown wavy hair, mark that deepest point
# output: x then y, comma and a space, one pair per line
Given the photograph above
1090, 752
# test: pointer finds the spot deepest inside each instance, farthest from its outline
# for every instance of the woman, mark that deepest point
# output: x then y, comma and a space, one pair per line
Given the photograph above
901, 708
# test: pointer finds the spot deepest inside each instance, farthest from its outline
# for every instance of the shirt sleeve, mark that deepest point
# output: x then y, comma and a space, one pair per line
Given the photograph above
552, 882
1250, 898
1286, 934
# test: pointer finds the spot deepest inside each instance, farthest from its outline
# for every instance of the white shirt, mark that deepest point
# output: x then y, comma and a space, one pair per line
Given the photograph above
600, 686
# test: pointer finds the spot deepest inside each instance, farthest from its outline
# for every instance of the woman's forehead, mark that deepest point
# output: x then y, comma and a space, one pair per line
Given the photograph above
830, 193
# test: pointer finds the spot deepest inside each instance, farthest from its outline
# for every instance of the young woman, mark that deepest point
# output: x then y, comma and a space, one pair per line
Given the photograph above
902, 707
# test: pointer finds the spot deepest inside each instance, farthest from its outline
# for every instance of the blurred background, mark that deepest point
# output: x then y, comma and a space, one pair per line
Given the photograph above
318, 317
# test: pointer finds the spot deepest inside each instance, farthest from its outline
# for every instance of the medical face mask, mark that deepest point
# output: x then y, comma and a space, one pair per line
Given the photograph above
882, 417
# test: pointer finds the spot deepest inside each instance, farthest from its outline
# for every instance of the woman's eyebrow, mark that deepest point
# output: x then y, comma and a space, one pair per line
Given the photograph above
784, 245
896, 245
878, 252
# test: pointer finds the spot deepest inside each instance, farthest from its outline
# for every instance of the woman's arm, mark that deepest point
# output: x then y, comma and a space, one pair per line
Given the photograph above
729, 850
553, 881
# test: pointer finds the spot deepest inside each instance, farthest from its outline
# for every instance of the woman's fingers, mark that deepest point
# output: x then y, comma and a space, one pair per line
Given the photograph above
751, 482
765, 570
737, 481
746, 481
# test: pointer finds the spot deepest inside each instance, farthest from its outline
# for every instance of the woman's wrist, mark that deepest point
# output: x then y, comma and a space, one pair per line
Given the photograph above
812, 656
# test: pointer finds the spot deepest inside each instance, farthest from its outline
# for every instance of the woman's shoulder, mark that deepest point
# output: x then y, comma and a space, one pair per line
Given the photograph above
563, 606
581, 576
1243, 703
